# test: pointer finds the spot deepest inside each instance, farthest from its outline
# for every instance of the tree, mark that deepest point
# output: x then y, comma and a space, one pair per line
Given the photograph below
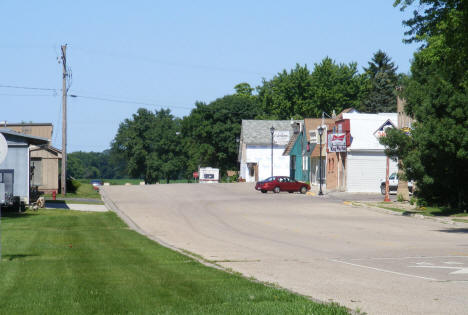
243, 89
301, 93
93, 165
151, 146
335, 87
436, 154
210, 131
382, 82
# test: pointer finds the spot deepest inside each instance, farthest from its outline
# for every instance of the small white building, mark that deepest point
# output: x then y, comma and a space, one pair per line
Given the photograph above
256, 150
366, 160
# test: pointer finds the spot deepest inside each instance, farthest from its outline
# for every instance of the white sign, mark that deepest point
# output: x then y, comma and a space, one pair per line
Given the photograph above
208, 175
381, 131
3, 148
281, 137
337, 142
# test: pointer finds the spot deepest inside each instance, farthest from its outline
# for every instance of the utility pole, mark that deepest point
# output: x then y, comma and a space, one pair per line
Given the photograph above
64, 121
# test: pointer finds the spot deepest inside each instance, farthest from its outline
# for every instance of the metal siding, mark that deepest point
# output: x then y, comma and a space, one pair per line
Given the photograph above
17, 160
365, 170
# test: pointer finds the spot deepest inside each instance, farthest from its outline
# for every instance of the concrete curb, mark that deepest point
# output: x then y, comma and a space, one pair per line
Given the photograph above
402, 214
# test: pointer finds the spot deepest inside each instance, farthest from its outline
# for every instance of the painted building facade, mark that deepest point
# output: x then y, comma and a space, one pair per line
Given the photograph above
256, 150
362, 166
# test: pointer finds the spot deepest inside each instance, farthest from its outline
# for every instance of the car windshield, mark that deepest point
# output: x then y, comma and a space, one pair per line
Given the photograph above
269, 179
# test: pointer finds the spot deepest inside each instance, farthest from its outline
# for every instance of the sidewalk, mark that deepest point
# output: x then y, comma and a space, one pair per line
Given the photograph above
78, 207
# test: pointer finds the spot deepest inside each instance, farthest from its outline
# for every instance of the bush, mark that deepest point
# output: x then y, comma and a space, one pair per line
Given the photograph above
400, 198
72, 185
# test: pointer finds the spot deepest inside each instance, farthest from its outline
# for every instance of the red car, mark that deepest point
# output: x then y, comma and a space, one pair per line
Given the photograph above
282, 183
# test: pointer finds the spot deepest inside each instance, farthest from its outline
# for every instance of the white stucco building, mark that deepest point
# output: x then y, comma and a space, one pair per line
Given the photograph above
255, 149
366, 160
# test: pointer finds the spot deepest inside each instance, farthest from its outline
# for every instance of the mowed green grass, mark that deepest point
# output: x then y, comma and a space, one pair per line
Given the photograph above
68, 262
84, 191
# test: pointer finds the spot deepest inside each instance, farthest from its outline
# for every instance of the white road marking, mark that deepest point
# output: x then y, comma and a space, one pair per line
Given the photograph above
453, 263
424, 264
461, 270
384, 270
409, 257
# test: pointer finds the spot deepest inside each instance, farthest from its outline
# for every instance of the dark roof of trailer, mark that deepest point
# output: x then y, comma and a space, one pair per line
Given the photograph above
29, 138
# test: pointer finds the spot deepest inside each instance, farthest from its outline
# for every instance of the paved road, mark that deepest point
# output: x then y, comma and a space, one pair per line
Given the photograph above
360, 258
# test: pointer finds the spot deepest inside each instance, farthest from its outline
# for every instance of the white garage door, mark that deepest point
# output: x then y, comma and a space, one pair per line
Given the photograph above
365, 170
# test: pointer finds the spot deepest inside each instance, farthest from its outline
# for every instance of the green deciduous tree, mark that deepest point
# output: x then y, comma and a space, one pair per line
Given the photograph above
436, 155
93, 165
210, 131
301, 93
243, 89
151, 145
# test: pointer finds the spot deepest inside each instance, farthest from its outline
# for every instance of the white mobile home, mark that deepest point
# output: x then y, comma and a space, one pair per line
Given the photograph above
15, 170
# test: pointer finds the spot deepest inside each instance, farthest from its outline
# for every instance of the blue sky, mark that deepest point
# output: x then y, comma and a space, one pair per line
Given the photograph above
172, 53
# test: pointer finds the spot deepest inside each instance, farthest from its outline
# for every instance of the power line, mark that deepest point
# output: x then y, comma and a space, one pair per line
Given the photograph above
105, 99
169, 63
27, 87
116, 100
8, 94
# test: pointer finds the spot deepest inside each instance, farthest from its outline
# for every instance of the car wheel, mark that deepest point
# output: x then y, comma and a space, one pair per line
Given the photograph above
276, 190
303, 190
382, 189
264, 191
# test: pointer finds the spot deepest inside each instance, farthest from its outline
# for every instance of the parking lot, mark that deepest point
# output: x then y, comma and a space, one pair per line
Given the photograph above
319, 247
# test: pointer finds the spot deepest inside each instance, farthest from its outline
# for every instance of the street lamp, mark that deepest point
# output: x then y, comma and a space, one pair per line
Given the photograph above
320, 131
272, 131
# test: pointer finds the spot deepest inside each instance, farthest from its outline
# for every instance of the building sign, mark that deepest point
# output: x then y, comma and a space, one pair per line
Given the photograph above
407, 131
381, 131
281, 137
336, 142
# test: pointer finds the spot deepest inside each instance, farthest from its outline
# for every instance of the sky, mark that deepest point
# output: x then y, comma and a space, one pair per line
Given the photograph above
170, 54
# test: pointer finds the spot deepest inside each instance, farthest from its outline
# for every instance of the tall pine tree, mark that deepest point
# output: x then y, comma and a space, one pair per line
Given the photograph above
382, 82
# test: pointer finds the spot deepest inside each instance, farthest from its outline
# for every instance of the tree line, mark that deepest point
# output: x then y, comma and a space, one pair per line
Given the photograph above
156, 145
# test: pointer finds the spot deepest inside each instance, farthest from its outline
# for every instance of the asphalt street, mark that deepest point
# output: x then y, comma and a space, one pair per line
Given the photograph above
319, 247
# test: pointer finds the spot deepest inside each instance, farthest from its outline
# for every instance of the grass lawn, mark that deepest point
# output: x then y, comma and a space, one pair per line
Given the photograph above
427, 211
67, 262
84, 191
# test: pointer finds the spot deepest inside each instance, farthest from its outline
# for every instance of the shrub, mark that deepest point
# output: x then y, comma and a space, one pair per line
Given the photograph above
72, 185
400, 198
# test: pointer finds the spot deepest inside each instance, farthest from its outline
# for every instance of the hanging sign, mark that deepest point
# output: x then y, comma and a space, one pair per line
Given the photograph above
281, 137
336, 142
